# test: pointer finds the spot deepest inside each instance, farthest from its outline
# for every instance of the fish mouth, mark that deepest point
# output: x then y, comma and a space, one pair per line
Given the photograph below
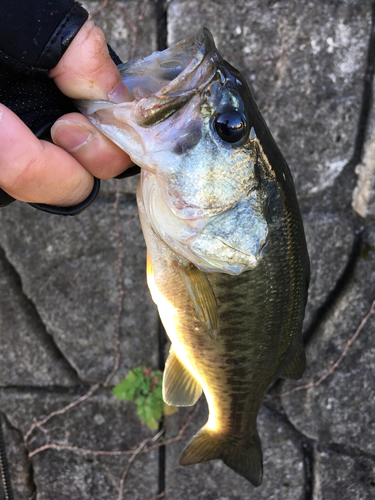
164, 81
161, 83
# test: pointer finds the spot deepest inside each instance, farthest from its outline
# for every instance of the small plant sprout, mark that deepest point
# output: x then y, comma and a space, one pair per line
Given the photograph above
144, 385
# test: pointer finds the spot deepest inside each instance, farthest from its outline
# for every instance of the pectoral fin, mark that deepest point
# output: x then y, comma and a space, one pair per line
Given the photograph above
203, 297
180, 388
297, 365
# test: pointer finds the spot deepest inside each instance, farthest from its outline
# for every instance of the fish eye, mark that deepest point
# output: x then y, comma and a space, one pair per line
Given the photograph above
230, 126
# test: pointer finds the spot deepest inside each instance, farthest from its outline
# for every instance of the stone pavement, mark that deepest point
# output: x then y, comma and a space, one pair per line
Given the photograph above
69, 286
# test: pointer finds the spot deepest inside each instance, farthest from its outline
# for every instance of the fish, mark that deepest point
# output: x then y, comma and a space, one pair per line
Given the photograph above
227, 262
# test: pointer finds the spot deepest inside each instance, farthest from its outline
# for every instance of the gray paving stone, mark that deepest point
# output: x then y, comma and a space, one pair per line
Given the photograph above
100, 423
129, 26
283, 464
305, 62
344, 477
19, 465
126, 187
341, 409
329, 238
27, 353
68, 268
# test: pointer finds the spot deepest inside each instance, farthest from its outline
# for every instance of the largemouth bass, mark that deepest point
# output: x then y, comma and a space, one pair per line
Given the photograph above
227, 261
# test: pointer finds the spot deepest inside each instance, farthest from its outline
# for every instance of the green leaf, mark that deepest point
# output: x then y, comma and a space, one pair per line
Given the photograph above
144, 411
152, 424
159, 391
126, 388
145, 386
140, 400
157, 412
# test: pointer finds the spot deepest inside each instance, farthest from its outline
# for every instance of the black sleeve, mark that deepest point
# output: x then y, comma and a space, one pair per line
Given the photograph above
34, 34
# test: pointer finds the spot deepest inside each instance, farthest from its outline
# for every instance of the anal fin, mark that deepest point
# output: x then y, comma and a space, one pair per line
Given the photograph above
180, 387
297, 365
202, 295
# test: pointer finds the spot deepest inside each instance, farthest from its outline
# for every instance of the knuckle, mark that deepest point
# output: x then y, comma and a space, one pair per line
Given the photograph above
86, 51
24, 172
94, 48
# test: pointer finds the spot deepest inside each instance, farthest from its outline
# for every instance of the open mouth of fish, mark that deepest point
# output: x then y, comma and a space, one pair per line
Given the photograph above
189, 129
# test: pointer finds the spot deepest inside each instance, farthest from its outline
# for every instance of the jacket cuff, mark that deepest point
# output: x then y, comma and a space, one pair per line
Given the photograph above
62, 37
74, 210
6, 199
34, 39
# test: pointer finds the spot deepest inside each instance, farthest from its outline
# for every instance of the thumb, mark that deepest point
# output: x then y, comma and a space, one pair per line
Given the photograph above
86, 70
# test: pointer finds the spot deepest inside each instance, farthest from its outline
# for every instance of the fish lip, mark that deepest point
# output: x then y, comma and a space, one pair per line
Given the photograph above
203, 45
196, 47
197, 56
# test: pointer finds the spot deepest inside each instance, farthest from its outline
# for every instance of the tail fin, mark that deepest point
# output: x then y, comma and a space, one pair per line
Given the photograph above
243, 456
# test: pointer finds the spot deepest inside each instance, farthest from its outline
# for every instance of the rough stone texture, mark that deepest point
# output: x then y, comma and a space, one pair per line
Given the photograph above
344, 477
68, 269
283, 464
60, 282
27, 353
341, 409
331, 235
100, 423
20, 467
60, 286
129, 26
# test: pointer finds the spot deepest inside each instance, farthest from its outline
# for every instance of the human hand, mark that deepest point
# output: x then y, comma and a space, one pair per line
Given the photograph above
37, 171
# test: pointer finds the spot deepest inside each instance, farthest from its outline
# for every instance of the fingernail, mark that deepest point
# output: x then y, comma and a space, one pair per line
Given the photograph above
120, 94
69, 135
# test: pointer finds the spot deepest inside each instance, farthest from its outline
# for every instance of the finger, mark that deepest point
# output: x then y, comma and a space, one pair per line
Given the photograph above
38, 171
86, 70
100, 156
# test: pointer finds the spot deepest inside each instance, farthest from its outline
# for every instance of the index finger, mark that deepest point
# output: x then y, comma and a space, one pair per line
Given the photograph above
86, 70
